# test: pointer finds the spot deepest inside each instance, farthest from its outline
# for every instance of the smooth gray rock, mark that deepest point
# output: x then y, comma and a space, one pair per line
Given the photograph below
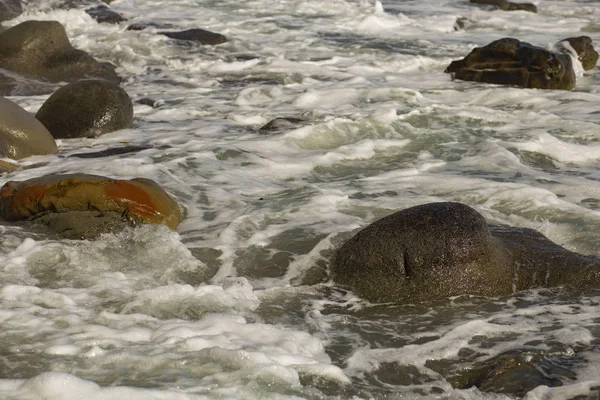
21, 135
439, 250
86, 108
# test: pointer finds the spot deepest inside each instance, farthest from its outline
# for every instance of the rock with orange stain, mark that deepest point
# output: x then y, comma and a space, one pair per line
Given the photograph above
75, 204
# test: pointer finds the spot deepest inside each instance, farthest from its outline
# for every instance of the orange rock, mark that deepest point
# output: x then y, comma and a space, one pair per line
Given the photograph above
138, 200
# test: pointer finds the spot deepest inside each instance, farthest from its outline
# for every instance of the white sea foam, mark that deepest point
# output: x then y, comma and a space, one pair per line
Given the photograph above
219, 310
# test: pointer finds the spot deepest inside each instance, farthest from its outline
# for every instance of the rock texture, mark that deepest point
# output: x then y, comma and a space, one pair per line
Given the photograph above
41, 50
86, 108
105, 15
508, 5
197, 35
509, 61
440, 250
21, 135
88, 204
584, 49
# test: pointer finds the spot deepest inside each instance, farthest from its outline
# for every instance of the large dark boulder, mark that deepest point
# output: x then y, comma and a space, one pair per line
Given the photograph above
508, 5
584, 49
86, 108
509, 61
41, 50
439, 250
197, 35
21, 135
10, 9
84, 206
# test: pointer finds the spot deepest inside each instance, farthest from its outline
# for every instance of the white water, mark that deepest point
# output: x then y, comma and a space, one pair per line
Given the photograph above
132, 315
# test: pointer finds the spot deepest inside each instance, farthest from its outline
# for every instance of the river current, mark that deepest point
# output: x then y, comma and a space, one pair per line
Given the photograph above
237, 304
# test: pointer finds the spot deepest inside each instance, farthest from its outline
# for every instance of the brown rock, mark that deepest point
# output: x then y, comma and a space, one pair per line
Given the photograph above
587, 55
21, 135
439, 250
86, 108
41, 50
509, 61
137, 201
197, 35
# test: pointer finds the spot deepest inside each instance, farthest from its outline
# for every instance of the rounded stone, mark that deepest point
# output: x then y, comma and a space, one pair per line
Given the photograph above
41, 50
137, 201
86, 108
21, 135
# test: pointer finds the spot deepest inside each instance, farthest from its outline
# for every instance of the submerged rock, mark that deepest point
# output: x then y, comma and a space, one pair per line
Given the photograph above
197, 35
88, 204
509, 61
440, 250
280, 124
103, 14
21, 135
515, 372
508, 5
41, 50
86, 108
584, 49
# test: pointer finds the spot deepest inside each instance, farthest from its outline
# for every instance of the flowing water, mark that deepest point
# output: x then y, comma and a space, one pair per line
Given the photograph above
238, 303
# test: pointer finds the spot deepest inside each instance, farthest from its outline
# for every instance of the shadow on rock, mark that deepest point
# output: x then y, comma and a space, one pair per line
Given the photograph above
439, 250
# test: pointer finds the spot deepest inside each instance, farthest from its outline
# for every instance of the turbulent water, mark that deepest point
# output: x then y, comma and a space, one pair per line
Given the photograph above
237, 304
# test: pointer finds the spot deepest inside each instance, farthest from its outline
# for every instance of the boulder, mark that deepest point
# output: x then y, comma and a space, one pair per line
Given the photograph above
86, 108
87, 204
197, 35
10, 9
105, 15
508, 5
439, 250
583, 48
509, 61
41, 50
21, 135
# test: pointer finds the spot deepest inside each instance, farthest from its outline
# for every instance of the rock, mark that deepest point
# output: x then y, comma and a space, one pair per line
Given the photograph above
197, 35
10, 9
86, 108
514, 372
509, 61
111, 152
440, 250
41, 50
103, 14
507, 5
583, 48
21, 135
140, 26
280, 124
87, 204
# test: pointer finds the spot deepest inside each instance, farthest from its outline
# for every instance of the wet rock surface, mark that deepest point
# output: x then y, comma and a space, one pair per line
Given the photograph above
86, 108
41, 50
197, 35
21, 135
439, 250
105, 15
509, 61
87, 205
584, 49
